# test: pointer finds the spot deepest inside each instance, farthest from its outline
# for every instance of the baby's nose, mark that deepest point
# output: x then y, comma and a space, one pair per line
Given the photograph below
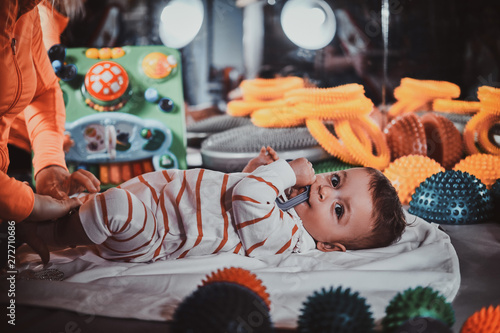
325, 191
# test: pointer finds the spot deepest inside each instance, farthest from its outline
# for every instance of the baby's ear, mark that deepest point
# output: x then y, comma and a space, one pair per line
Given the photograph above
328, 247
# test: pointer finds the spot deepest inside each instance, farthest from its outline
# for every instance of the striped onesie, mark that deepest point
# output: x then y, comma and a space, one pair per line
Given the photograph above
174, 214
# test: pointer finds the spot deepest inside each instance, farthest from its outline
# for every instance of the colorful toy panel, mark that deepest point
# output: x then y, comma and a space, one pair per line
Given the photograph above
125, 105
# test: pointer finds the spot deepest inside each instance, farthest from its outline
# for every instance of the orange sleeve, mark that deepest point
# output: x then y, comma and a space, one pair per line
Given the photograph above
17, 199
45, 116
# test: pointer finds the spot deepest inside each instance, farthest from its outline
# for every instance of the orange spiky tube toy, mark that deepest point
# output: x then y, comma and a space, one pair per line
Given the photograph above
407, 172
417, 95
406, 136
484, 166
455, 106
486, 320
262, 93
479, 125
241, 277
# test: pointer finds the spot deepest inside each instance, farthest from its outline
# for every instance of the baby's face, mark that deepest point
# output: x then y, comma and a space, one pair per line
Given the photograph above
339, 206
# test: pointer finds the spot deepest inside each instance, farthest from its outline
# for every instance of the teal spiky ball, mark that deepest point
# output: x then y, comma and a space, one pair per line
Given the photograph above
337, 311
495, 195
418, 302
452, 197
330, 165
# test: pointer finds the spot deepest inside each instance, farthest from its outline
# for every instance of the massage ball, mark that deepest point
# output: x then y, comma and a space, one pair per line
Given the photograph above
330, 165
407, 172
335, 311
486, 320
406, 136
242, 277
484, 166
423, 325
418, 302
495, 195
222, 307
452, 197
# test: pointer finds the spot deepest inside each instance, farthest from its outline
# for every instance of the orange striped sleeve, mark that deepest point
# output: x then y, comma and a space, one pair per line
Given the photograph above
140, 246
177, 201
281, 214
153, 192
287, 245
238, 247
167, 176
129, 216
250, 222
223, 213
138, 232
104, 210
198, 213
266, 182
256, 245
244, 198
165, 224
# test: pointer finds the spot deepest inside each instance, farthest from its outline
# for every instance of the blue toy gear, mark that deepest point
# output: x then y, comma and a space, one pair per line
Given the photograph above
418, 302
222, 307
452, 197
337, 311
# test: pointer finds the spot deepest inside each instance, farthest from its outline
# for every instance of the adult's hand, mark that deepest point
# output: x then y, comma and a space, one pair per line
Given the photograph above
47, 208
60, 184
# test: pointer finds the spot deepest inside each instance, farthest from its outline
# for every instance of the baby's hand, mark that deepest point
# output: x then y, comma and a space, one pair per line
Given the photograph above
265, 157
304, 172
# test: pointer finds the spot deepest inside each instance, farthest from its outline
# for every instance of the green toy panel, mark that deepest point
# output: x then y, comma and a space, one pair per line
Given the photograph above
165, 84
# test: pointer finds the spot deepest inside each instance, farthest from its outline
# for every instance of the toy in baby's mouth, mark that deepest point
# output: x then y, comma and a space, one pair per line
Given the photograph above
125, 111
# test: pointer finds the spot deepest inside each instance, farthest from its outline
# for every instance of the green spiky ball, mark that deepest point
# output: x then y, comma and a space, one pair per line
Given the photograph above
418, 302
495, 195
337, 311
330, 165
452, 197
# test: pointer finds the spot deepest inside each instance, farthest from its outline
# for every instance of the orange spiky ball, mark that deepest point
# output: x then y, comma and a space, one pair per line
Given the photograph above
406, 136
407, 172
486, 320
241, 277
484, 166
444, 141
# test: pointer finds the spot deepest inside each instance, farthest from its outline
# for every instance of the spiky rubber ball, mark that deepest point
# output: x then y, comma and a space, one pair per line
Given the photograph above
452, 197
486, 167
222, 307
330, 165
495, 195
406, 136
486, 320
335, 310
417, 302
444, 141
407, 172
423, 325
242, 277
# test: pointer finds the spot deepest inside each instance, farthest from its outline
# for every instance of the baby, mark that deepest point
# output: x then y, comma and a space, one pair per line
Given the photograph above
173, 214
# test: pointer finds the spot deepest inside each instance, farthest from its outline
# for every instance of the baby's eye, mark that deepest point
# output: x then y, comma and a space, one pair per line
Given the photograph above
335, 180
339, 210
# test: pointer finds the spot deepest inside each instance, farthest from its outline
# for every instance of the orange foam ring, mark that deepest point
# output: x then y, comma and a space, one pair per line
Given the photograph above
407, 172
365, 156
269, 89
479, 125
241, 108
326, 95
241, 277
486, 320
455, 106
431, 88
486, 167
405, 135
278, 117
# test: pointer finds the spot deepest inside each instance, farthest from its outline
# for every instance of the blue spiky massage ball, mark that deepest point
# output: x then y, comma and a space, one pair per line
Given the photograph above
495, 195
222, 307
337, 311
418, 302
452, 197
